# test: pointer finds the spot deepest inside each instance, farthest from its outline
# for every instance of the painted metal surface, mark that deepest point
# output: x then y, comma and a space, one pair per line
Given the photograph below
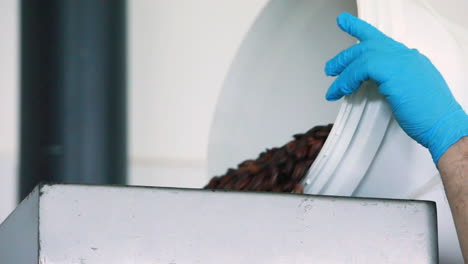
19, 233
73, 123
98, 224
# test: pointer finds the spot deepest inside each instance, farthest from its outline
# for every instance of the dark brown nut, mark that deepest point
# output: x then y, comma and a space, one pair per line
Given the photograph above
288, 187
291, 147
288, 168
312, 131
299, 188
224, 181
308, 163
230, 186
302, 150
254, 168
246, 163
213, 183
280, 157
272, 174
230, 171
298, 136
265, 187
282, 178
255, 182
311, 141
314, 150
322, 134
265, 156
277, 189
241, 184
299, 171
323, 131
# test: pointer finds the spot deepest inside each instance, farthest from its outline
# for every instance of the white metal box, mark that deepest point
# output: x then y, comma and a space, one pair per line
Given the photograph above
58, 224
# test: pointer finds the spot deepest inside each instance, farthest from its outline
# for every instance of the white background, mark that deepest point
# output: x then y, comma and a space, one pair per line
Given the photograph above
179, 53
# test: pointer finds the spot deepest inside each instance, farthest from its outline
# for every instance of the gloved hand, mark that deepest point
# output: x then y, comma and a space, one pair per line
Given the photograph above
418, 94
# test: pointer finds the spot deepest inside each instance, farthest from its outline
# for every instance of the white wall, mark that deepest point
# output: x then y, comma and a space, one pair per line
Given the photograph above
180, 51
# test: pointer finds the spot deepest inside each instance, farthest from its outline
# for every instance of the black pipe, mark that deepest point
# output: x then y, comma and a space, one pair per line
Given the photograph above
73, 92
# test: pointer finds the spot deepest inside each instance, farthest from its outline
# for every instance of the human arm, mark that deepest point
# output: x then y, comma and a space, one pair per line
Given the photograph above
419, 97
453, 167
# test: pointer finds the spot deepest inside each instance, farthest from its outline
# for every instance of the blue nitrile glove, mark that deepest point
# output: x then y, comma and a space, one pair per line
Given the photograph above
418, 94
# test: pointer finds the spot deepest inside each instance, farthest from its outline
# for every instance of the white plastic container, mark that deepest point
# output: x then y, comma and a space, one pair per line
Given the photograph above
276, 88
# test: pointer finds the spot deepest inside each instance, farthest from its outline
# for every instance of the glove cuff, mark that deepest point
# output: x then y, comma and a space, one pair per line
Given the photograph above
446, 133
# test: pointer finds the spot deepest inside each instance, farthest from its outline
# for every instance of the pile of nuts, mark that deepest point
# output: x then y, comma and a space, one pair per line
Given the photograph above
277, 169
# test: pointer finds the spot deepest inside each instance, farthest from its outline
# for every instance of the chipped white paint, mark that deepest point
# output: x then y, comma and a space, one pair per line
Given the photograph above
97, 224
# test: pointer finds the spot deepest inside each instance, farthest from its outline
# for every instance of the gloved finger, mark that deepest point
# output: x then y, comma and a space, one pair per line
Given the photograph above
338, 63
350, 79
358, 28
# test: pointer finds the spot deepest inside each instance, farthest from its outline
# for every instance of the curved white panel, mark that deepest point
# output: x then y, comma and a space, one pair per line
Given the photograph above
276, 85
